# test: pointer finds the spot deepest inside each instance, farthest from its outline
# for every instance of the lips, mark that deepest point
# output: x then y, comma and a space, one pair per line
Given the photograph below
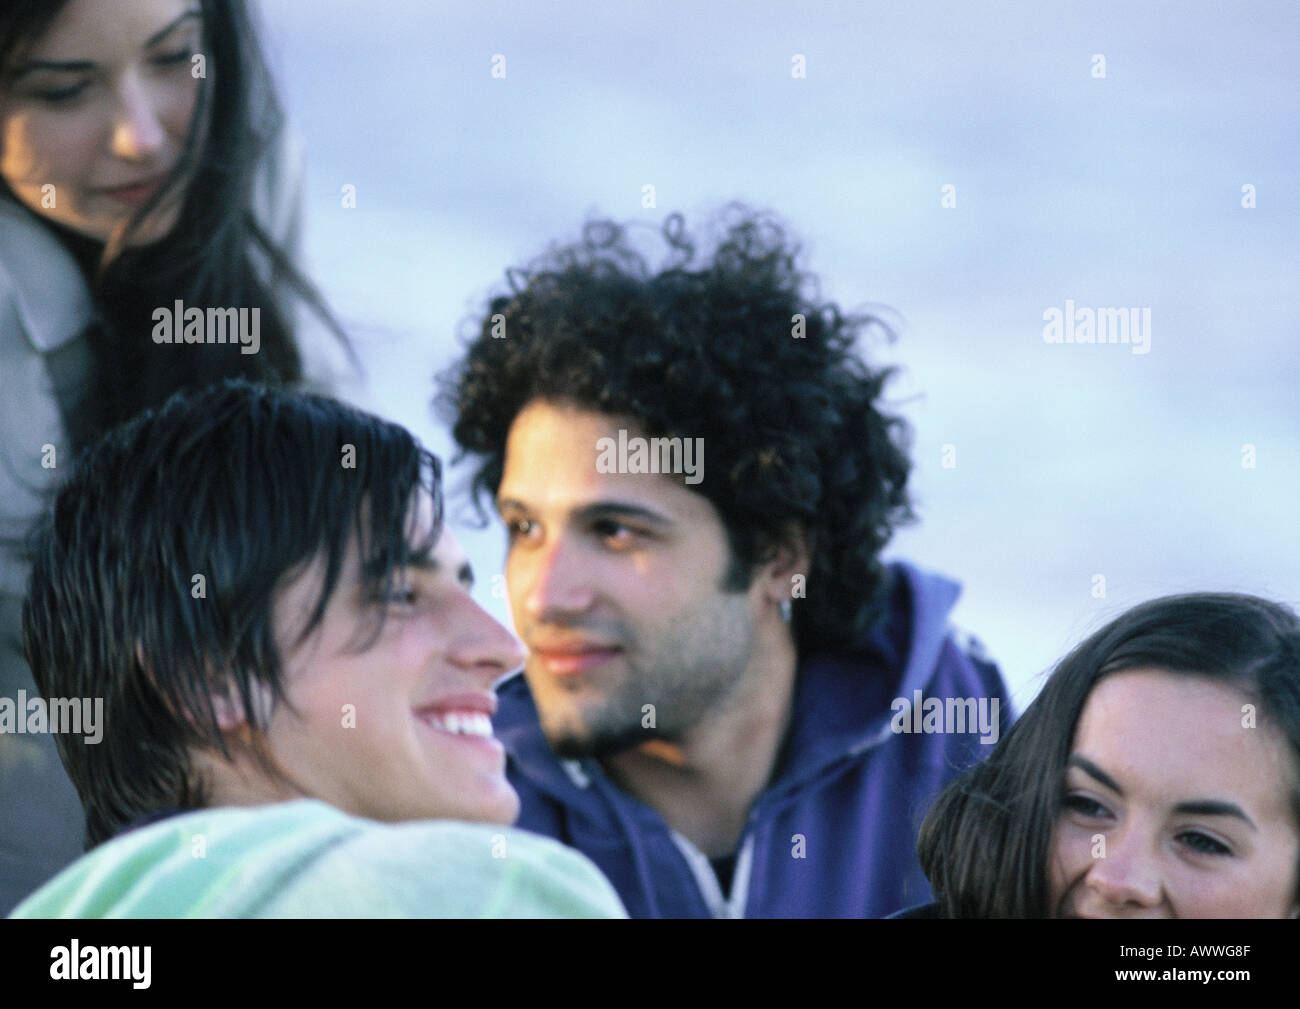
134, 193
574, 657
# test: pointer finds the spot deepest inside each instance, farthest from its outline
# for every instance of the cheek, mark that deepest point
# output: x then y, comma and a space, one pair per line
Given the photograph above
653, 590
398, 669
181, 103
1269, 889
517, 576
344, 715
20, 156
36, 150
319, 684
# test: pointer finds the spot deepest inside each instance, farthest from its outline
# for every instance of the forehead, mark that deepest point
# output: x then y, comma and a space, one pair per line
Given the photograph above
87, 29
447, 555
1181, 737
550, 465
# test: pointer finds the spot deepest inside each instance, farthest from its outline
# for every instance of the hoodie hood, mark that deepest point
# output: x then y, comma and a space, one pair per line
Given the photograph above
837, 711
842, 772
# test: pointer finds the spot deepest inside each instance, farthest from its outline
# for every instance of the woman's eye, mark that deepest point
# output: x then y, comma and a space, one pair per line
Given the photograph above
1085, 805
58, 96
1203, 843
179, 56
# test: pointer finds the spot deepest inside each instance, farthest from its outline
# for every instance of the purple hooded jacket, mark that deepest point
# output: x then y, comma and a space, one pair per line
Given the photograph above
834, 832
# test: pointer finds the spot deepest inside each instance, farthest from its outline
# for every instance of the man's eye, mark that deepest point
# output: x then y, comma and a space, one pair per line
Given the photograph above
519, 527
1203, 843
399, 596
617, 532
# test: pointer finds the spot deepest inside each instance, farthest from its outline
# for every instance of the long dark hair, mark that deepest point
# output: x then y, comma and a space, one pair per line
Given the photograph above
984, 844
242, 483
216, 255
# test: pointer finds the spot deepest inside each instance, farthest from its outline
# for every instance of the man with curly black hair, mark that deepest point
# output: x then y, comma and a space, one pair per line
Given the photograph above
723, 697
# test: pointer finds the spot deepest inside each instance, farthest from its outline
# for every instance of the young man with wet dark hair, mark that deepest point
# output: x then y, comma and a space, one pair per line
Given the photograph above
729, 700
295, 680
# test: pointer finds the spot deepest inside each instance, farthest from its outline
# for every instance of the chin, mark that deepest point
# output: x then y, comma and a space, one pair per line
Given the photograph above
494, 803
584, 741
150, 232
503, 812
508, 813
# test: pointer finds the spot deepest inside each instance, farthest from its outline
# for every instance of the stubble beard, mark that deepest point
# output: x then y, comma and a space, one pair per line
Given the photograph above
682, 699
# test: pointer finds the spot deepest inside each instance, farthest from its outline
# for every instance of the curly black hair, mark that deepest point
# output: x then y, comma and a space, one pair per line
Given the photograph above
712, 349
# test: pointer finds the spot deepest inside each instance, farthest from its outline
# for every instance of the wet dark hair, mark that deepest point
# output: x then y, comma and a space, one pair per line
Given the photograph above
985, 843
707, 348
217, 254
243, 484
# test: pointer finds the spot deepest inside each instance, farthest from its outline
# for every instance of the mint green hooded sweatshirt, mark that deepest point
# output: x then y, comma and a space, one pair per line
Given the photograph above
306, 859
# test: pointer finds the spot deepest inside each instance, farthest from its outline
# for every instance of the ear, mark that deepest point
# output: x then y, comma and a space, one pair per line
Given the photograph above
229, 709
784, 575
226, 703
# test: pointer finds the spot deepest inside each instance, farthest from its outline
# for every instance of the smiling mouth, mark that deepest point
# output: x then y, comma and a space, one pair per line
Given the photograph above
459, 723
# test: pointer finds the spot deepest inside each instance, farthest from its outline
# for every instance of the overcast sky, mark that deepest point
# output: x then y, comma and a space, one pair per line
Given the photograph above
1122, 190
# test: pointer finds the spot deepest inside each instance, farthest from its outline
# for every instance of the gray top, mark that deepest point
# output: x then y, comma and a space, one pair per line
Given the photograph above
45, 308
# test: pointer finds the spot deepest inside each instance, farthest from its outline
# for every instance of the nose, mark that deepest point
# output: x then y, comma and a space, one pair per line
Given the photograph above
138, 132
1128, 874
553, 580
481, 645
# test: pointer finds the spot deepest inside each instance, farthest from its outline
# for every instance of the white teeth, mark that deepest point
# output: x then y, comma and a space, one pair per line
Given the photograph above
462, 723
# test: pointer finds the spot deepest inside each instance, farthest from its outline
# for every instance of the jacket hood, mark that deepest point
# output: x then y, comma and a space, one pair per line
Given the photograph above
838, 712
42, 278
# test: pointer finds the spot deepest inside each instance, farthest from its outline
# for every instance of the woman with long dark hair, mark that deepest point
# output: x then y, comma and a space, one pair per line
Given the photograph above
147, 219
1157, 774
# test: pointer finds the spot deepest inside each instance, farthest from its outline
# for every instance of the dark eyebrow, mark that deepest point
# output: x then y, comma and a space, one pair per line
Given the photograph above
1198, 807
80, 66
158, 36
1214, 807
622, 509
70, 66
374, 569
603, 509
1093, 771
